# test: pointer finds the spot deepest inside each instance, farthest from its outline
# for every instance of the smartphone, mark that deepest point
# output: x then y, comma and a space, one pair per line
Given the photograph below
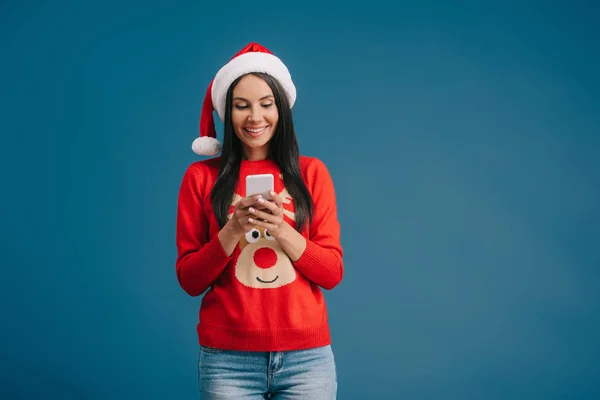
260, 184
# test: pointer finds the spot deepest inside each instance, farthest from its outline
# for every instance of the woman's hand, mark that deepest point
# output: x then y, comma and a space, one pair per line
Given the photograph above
269, 215
239, 222
237, 225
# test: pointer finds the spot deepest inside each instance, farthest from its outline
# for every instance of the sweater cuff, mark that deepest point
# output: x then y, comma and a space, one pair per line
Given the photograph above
311, 259
215, 253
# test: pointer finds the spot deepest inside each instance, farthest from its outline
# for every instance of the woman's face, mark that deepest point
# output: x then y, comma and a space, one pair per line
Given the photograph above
254, 115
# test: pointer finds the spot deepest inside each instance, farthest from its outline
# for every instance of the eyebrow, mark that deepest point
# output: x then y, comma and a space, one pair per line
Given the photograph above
262, 98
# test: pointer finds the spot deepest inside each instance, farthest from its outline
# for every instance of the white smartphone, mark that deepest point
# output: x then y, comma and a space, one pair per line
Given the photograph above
260, 184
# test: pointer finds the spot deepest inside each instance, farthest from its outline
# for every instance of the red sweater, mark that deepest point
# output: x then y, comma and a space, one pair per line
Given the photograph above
257, 298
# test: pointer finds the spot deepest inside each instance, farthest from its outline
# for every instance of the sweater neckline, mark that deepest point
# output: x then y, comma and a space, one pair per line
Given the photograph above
255, 164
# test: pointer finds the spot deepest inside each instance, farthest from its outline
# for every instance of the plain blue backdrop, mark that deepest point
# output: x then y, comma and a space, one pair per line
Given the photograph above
462, 138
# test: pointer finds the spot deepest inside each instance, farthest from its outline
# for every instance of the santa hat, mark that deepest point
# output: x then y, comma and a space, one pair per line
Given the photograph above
252, 58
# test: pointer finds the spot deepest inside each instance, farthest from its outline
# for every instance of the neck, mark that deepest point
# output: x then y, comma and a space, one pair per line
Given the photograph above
256, 154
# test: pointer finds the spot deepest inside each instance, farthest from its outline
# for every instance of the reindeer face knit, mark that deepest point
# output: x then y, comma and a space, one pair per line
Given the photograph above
257, 298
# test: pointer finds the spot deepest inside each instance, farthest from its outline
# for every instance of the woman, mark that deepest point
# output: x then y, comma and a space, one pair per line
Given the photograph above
262, 260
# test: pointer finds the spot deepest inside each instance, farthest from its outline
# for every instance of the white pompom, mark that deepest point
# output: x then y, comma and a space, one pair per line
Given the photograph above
206, 146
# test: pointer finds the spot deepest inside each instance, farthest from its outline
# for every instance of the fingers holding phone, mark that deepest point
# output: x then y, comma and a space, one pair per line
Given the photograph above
272, 221
260, 186
241, 213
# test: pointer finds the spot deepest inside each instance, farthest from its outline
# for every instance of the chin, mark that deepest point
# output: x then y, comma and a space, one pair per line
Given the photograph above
256, 146
255, 143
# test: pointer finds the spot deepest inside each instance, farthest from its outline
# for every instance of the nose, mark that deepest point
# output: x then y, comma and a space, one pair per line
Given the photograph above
265, 257
255, 115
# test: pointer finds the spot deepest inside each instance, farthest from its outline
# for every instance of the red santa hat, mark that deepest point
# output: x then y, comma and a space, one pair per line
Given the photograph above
252, 58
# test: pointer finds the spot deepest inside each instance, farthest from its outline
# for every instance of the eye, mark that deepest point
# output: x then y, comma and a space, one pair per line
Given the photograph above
267, 105
268, 236
240, 107
253, 236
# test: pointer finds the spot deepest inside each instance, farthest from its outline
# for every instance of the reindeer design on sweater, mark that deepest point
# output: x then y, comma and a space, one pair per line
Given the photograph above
262, 263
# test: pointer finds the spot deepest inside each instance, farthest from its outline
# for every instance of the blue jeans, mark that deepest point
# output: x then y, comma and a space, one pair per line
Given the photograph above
281, 375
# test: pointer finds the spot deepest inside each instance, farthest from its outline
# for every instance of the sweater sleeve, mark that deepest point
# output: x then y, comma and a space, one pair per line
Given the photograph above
200, 259
321, 261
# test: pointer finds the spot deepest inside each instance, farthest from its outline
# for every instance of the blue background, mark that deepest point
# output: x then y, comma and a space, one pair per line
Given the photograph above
463, 141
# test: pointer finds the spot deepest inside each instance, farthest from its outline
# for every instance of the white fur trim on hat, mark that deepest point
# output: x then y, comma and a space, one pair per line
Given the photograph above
246, 63
206, 146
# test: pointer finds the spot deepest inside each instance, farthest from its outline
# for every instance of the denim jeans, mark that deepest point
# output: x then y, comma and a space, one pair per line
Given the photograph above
281, 375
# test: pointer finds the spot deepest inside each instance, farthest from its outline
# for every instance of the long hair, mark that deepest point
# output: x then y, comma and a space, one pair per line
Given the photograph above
283, 149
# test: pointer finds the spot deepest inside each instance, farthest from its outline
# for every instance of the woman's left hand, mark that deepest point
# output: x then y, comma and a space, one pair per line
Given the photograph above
271, 218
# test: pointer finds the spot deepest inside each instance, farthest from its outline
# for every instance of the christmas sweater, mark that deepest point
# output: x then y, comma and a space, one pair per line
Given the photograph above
258, 299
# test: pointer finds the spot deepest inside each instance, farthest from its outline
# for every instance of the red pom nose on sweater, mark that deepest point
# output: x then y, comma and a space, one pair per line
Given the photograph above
265, 257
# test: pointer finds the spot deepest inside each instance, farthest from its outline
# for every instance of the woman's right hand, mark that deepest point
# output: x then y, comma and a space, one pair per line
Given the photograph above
238, 224
239, 220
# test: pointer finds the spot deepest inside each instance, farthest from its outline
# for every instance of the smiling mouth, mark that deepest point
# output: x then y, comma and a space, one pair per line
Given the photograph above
255, 132
261, 281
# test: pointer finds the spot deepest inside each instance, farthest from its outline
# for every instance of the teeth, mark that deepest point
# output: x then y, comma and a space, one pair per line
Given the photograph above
256, 130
